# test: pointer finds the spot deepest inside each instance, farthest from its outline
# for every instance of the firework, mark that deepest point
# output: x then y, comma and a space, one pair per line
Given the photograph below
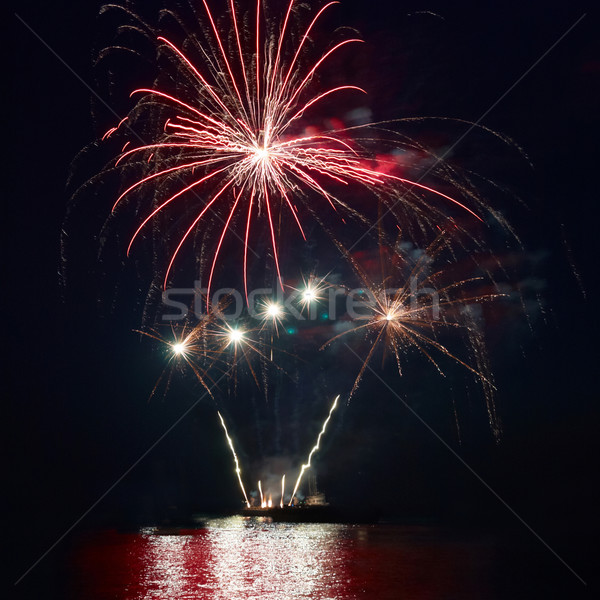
211, 348
238, 471
312, 292
233, 139
239, 344
189, 347
263, 504
395, 320
272, 314
314, 449
236, 142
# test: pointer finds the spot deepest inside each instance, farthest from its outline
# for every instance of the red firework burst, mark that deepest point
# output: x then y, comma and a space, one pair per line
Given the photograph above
235, 137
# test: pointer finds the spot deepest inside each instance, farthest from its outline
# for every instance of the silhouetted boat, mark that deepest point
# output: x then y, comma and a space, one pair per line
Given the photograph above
314, 509
314, 513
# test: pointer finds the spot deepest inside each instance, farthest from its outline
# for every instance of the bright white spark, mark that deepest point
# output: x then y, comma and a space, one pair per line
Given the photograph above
274, 310
236, 336
309, 295
179, 348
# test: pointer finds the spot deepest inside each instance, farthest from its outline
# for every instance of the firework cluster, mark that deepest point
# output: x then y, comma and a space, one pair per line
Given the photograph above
229, 159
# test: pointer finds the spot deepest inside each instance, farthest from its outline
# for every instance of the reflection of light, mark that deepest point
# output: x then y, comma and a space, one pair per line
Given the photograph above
240, 558
167, 566
256, 558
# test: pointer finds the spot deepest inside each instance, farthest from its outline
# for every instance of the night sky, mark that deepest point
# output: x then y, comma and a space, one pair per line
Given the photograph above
77, 379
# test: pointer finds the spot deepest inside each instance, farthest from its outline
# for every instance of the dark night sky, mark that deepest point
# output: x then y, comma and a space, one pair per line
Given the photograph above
77, 379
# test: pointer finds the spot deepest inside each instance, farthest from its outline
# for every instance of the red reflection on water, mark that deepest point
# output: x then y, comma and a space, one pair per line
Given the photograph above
242, 559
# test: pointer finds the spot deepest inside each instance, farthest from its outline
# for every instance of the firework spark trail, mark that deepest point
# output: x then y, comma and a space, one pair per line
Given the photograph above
241, 130
235, 458
210, 345
236, 342
189, 346
282, 490
262, 499
315, 448
481, 360
399, 319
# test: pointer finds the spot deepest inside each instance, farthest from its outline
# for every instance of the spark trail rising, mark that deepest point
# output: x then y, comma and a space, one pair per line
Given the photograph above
315, 448
238, 144
235, 458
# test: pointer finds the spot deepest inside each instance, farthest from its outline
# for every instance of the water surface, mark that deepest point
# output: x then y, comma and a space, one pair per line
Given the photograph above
247, 558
